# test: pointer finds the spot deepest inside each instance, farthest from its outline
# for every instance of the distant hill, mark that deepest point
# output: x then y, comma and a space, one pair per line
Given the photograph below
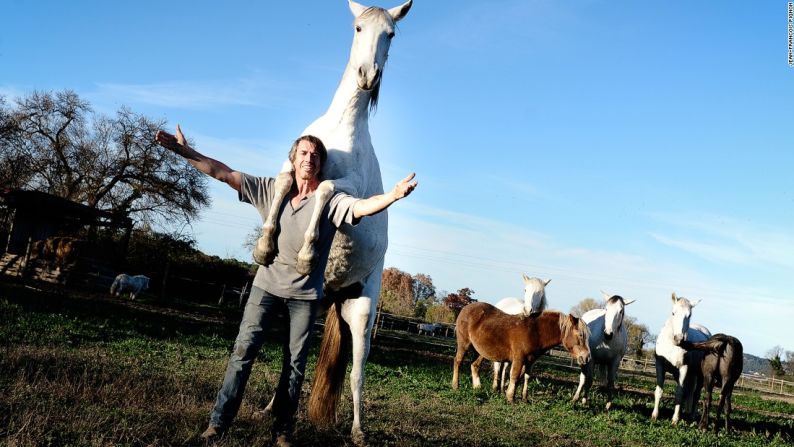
753, 364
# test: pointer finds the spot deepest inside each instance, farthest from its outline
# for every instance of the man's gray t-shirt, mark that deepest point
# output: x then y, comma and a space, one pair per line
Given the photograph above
280, 277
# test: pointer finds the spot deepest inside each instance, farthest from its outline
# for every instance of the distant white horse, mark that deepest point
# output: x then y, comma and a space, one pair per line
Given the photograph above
353, 272
608, 342
533, 304
129, 284
683, 365
428, 328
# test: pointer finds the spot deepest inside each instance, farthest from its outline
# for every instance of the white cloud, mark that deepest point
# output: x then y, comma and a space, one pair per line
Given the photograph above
198, 95
725, 239
11, 92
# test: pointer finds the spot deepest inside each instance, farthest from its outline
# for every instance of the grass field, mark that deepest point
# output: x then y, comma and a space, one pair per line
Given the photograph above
82, 369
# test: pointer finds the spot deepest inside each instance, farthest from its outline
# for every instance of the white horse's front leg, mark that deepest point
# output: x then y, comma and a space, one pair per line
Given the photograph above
679, 392
612, 373
579, 389
657, 397
265, 249
307, 256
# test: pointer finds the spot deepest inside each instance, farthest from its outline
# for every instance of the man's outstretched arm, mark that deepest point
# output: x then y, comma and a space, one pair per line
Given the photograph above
378, 203
213, 168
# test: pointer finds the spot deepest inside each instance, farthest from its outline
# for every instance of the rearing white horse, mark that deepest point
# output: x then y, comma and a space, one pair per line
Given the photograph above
608, 342
353, 272
683, 365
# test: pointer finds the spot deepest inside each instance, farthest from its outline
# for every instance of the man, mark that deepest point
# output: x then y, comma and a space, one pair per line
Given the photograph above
278, 287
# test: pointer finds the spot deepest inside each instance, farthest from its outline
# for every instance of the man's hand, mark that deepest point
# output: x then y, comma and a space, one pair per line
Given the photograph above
175, 143
404, 187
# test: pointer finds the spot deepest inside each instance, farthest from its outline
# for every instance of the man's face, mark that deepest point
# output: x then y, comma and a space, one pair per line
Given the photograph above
307, 161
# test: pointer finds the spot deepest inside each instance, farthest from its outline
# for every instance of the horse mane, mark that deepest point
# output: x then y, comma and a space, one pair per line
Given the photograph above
566, 326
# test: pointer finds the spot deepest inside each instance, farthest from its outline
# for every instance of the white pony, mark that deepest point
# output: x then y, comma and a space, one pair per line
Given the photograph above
428, 328
608, 341
129, 284
683, 365
533, 304
353, 273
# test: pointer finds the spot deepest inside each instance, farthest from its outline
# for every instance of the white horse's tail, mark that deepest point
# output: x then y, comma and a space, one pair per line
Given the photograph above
331, 366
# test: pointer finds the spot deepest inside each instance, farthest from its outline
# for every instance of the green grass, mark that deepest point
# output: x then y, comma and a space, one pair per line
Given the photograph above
79, 369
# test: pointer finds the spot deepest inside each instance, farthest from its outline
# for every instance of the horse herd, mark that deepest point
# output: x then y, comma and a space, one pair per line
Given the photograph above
518, 333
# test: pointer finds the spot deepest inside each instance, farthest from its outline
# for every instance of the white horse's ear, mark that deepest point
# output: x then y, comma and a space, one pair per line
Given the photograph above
675, 298
546, 283
525, 278
626, 303
356, 8
695, 303
605, 295
398, 12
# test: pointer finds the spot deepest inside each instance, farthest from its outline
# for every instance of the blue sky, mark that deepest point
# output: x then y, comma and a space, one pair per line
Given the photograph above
639, 148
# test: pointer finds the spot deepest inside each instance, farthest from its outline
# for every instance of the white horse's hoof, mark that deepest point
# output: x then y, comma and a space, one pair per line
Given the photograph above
306, 260
358, 438
654, 415
609, 405
263, 251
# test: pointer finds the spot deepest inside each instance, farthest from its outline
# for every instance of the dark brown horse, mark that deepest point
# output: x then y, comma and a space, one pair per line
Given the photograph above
517, 339
722, 366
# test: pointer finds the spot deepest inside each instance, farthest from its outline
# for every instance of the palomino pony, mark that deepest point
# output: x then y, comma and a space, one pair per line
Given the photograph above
353, 272
534, 303
672, 358
520, 340
608, 341
722, 366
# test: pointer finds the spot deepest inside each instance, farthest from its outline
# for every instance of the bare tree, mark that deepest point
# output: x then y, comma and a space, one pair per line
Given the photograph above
52, 142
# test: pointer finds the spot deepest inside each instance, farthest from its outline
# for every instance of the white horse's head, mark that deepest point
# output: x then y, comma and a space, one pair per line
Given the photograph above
534, 294
615, 311
374, 28
682, 312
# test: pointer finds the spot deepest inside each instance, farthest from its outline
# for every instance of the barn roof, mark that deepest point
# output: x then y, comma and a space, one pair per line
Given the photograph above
43, 205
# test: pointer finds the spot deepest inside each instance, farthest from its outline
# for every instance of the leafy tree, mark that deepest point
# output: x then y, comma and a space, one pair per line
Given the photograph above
424, 294
789, 363
773, 355
585, 305
638, 335
397, 292
423, 287
458, 300
52, 142
439, 313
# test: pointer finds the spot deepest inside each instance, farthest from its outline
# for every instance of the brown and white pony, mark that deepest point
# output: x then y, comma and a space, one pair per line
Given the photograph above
500, 337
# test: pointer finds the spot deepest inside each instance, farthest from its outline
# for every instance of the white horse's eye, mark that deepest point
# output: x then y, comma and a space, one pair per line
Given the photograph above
358, 28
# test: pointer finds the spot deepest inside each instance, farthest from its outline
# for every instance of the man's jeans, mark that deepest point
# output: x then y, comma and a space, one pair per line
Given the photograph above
257, 318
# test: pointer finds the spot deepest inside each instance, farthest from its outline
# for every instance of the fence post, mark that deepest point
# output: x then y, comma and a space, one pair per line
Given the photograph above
377, 319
